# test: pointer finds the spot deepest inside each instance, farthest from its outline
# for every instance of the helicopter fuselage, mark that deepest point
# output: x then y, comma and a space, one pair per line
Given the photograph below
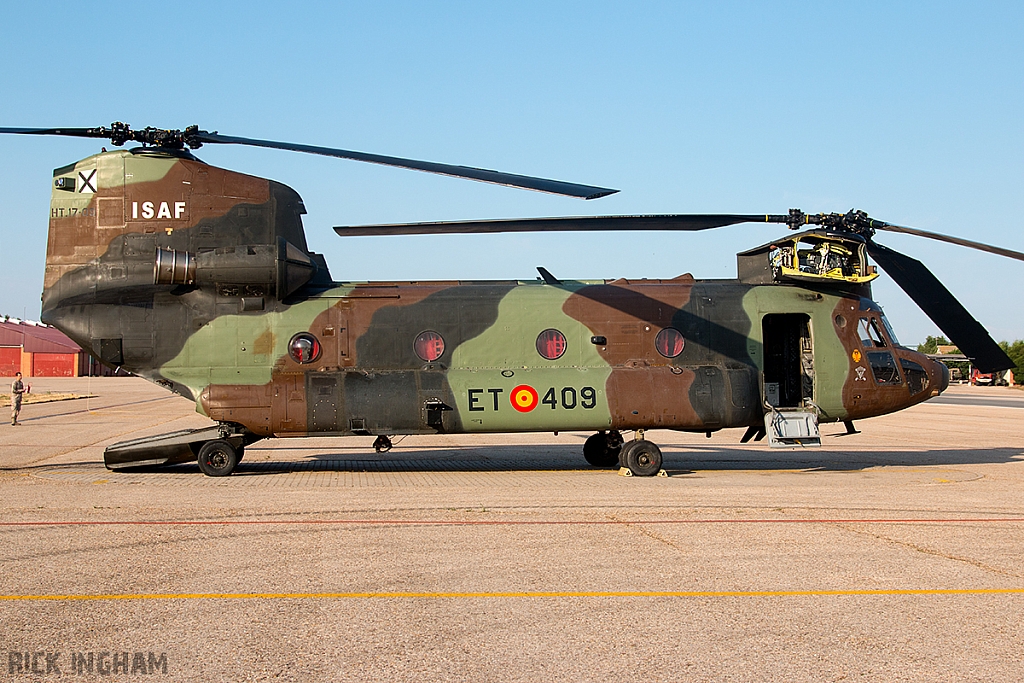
199, 279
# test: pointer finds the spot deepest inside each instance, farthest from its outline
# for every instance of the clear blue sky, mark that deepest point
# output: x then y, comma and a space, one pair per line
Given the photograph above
910, 111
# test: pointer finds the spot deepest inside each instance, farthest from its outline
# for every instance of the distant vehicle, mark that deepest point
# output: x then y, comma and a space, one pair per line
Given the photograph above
989, 379
981, 378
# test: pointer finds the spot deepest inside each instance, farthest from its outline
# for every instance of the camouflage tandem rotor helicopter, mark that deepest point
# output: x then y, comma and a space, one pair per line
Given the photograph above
200, 280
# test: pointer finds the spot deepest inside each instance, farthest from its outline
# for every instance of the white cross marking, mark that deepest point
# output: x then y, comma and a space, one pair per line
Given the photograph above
87, 178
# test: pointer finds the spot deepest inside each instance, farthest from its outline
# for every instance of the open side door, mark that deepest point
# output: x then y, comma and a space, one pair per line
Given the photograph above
787, 381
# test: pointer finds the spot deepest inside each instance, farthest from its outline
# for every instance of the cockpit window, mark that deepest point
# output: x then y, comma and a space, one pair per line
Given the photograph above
883, 367
917, 378
888, 329
870, 336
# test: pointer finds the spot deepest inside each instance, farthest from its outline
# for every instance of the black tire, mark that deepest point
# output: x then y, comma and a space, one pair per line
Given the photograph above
643, 458
218, 458
602, 450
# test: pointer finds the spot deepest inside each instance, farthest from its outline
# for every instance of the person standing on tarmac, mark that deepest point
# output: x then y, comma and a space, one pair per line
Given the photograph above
18, 390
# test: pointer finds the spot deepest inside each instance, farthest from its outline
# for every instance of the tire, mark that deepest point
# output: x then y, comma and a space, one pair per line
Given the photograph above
602, 450
218, 458
643, 458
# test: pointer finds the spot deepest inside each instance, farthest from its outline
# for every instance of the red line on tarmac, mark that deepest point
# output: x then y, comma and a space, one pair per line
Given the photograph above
422, 522
444, 595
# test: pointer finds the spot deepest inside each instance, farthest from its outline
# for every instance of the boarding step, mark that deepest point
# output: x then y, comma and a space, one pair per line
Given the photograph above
792, 429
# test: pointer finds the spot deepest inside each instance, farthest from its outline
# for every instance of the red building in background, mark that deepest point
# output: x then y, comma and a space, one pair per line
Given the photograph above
36, 350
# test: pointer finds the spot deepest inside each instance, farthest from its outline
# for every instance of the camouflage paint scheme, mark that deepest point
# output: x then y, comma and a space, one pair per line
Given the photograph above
221, 339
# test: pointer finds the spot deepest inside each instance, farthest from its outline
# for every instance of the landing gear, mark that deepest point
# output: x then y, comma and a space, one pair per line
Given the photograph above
755, 432
602, 449
382, 444
641, 457
218, 458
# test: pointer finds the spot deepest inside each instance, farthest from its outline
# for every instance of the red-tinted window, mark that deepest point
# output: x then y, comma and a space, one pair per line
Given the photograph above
551, 344
669, 342
429, 346
304, 348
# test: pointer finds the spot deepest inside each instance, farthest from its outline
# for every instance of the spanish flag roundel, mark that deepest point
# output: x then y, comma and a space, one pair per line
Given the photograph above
524, 398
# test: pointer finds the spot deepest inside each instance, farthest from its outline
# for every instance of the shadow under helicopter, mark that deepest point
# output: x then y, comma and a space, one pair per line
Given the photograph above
689, 460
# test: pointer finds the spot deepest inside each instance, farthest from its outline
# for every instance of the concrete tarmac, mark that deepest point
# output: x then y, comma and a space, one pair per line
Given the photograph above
889, 555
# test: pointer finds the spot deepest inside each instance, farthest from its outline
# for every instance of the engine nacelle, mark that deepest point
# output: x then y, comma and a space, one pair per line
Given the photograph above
281, 267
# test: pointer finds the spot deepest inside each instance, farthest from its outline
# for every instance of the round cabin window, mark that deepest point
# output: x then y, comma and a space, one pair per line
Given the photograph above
551, 344
304, 348
429, 346
669, 342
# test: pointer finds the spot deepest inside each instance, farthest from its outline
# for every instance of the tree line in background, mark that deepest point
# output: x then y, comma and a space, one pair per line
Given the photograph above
1014, 350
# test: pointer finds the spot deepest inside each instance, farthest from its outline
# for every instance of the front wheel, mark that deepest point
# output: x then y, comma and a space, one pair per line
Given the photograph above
218, 458
643, 458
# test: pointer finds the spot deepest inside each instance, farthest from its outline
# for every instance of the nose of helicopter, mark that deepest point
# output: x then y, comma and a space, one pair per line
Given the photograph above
939, 377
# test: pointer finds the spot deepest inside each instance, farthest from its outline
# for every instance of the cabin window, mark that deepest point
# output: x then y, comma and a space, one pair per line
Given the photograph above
304, 348
429, 346
669, 342
551, 344
917, 378
883, 367
870, 336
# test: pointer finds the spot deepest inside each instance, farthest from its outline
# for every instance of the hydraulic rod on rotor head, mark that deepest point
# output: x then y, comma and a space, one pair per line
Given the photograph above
854, 221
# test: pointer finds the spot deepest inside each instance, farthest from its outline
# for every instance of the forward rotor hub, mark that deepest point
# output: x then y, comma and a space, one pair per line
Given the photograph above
854, 221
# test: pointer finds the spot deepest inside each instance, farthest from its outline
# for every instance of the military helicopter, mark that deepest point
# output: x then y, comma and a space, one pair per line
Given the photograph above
200, 280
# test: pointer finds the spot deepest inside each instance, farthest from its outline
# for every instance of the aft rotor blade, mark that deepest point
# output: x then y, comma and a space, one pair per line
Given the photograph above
556, 224
69, 132
481, 174
1009, 253
942, 307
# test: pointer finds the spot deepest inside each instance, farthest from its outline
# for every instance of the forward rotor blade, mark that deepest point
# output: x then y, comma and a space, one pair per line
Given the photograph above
481, 174
561, 223
1009, 253
942, 307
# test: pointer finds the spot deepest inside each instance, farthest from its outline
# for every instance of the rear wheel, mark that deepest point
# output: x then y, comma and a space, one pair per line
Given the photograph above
218, 458
602, 449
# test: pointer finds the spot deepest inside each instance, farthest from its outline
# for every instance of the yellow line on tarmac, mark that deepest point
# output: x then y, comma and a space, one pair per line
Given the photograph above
399, 595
